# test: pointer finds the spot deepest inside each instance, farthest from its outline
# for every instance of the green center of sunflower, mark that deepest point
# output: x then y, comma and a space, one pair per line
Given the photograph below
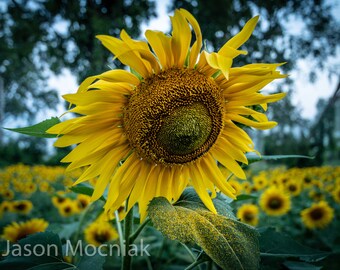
174, 117
185, 130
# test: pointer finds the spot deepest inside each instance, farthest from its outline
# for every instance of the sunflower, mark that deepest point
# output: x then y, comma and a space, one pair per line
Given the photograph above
260, 182
22, 207
68, 208
83, 201
8, 194
236, 186
293, 187
336, 194
99, 233
274, 202
17, 231
170, 119
6, 206
316, 195
58, 200
44, 186
248, 213
319, 215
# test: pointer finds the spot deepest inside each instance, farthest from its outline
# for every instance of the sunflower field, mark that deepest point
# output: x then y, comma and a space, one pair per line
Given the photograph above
294, 206
160, 148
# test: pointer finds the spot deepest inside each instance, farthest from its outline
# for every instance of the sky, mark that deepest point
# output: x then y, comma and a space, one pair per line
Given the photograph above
306, 94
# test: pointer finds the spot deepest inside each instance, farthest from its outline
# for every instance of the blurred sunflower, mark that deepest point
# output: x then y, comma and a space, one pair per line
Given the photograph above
236, 186
248, 213
17, 231
8, 194
68, 208
99, 233
293, 187
316, 195
307, 181
260, 182
83, 201
336, 194
169, 119
275, 202
58, 200
31, 187
6, 206
22, 207
319, 215
44, 186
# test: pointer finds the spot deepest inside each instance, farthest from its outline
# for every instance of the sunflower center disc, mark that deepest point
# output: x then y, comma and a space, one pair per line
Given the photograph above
174, 117
185, 130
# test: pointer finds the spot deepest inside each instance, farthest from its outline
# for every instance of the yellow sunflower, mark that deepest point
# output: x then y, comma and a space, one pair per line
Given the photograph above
8, 194
170, 119
99, 233
6, 206
275, 202
58, 200
319, 215
68, 208
22, 207
260, 182
83, 201
336, 194
248, 213
17, 231
236, 186
293, 187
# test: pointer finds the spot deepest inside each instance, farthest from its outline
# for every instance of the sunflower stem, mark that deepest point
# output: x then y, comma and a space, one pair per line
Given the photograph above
128, 224
81, 223
139, 230
192, 255
120, 231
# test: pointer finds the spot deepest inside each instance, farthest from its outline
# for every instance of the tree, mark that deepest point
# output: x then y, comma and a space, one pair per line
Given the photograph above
33, 45
288, 31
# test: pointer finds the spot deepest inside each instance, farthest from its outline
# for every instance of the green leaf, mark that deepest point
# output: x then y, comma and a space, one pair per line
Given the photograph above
292, 265
85, 189
244, 197
54, 266
252, 158
190, 199
67, 230
275, 244
35, 250
38, 130
91, 262
229, 243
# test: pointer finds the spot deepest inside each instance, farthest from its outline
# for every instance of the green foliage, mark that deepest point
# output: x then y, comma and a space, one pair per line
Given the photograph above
51, 258
279, 249
38, 130
28, 150
189, 222
219, 20
85, 189
275, 244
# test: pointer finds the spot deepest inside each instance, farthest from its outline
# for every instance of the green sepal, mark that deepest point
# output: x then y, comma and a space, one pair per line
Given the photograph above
38, 130
252, 157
